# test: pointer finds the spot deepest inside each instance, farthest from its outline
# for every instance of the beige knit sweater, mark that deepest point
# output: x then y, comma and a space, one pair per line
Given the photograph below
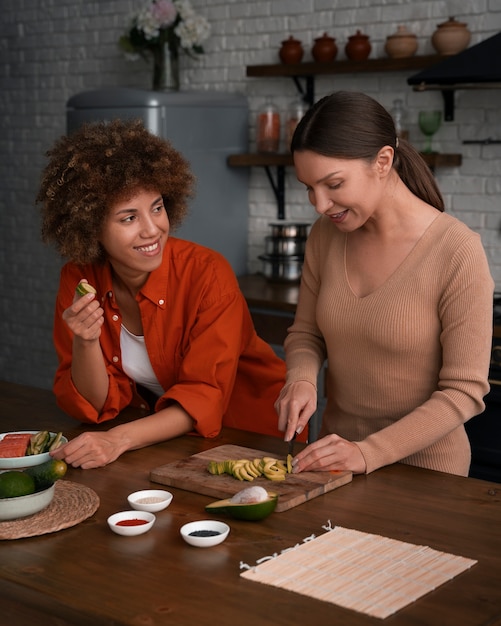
407, 364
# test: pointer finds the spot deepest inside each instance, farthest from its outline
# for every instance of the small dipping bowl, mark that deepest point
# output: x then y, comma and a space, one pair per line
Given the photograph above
151, 500
130, 528
205, 530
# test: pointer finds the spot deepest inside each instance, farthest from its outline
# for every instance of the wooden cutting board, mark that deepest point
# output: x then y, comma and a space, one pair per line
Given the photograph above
191, 474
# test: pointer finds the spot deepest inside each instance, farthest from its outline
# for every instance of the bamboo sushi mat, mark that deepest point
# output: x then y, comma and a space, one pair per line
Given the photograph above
367, 573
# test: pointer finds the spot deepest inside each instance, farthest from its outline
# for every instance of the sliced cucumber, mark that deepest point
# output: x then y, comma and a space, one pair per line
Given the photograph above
84, 288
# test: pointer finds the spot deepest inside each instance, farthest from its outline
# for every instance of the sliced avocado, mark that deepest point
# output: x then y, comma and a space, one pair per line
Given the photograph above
252, 512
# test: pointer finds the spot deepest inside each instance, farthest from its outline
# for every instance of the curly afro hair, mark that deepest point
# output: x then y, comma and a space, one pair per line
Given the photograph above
97, 166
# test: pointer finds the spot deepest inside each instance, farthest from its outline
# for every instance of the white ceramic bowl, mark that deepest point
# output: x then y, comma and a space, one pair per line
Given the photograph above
20, 462
151, 500
129, 531
22, 506
204, 526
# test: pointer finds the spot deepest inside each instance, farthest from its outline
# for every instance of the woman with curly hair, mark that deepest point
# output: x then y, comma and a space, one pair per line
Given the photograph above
167, 324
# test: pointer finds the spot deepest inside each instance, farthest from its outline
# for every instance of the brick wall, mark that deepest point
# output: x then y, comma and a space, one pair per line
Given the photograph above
53, 49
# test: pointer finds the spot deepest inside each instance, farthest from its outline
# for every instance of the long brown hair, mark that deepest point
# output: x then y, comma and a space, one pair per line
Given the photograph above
352, 125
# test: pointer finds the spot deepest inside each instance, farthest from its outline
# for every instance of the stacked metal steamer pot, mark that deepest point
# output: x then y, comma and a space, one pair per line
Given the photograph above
284, 251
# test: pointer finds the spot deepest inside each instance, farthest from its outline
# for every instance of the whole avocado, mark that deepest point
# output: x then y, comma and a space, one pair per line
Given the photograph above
46, 474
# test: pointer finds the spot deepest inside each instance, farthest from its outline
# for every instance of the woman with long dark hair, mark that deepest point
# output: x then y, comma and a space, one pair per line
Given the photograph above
395, 294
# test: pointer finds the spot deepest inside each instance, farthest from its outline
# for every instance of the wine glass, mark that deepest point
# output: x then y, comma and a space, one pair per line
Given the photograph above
429, 123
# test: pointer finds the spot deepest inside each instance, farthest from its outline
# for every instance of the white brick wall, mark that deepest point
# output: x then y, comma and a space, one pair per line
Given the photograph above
53, 49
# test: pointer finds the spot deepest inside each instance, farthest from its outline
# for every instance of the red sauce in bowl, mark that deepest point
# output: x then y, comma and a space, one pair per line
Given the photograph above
132, 522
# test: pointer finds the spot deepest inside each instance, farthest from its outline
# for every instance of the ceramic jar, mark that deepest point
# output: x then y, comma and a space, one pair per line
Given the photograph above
296, 111
291, 51
268, 128
358, 47
451, 37
401, 44
324, 49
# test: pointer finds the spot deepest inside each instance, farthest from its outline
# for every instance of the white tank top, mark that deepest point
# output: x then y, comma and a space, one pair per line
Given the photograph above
136, 362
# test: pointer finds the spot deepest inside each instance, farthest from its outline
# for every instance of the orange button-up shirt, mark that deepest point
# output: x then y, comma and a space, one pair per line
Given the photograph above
200, 340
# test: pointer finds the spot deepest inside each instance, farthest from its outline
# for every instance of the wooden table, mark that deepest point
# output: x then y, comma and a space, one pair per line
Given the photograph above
87, 575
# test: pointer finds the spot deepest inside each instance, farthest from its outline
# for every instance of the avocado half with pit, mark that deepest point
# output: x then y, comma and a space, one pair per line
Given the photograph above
252, 511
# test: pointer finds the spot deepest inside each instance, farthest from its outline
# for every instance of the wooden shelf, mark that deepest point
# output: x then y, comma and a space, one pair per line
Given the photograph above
344, 67
435, 159
303, 75
260, 159
268, 161
282, 160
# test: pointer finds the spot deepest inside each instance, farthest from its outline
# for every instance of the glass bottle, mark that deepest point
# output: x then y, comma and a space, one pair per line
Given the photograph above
399, 115
296, 111
268, 128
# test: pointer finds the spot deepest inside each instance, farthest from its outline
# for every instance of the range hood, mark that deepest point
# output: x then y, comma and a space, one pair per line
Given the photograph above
477, 67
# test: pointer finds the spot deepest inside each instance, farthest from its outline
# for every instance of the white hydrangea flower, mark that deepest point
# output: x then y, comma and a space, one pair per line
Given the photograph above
192, 31
160, 17
184, 9
147, 23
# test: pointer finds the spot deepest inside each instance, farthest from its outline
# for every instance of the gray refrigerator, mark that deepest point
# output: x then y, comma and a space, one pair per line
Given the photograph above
206, 127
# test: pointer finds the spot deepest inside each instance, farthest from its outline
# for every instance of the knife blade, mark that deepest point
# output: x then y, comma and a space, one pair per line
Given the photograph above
291, 445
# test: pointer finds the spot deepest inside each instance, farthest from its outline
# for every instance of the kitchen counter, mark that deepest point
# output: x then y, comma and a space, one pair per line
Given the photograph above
87, 575
272, 305
261, 292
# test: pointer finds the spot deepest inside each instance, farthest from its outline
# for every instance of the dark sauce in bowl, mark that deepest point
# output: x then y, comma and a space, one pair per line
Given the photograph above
204, 533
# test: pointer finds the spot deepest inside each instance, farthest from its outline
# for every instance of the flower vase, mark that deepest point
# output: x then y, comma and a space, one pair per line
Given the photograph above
165, 68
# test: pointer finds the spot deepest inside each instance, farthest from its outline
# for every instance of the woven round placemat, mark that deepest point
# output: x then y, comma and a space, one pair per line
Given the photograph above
72, 503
